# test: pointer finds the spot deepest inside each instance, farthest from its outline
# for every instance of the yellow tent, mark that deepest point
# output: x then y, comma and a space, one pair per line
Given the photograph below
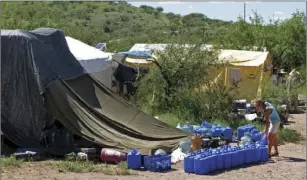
248, 68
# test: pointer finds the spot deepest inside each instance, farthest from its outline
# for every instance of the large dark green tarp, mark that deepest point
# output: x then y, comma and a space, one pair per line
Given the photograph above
37, 63
91, 110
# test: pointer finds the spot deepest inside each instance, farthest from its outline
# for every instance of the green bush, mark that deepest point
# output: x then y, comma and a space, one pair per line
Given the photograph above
288, 135
213, 103
178, 84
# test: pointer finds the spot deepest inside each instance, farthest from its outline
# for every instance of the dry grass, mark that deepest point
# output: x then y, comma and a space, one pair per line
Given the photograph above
78, 166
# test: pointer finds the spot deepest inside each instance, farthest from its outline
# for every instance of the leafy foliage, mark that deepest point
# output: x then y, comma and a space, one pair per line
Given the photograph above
281, 38
178, 83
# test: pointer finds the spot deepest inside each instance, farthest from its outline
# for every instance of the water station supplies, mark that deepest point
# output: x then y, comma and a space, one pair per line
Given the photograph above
134, 159
205, 161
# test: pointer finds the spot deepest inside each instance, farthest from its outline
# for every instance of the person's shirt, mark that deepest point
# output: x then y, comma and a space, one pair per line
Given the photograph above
274, 116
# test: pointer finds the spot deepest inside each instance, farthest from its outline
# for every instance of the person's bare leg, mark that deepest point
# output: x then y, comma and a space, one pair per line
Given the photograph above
270, 139
276, 144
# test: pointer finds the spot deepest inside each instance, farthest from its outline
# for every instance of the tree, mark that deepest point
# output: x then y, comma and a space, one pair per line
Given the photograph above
178, 69
159, 9
290, 50
283, 39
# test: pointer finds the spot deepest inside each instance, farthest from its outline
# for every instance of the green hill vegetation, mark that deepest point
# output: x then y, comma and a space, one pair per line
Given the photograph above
122, 25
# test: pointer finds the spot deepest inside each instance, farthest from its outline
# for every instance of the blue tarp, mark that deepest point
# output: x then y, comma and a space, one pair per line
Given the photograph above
138, 53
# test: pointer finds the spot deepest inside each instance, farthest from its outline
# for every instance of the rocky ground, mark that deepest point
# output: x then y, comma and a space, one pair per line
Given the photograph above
291, 164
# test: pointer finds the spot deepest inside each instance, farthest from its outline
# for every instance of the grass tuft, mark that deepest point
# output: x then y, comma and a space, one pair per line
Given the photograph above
79, 166
11, 162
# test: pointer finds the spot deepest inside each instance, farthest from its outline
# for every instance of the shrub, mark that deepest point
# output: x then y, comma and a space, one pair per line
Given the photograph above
175, 83
288, 135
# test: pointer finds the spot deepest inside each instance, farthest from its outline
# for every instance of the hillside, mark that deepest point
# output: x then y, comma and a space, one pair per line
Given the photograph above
119, 24
122, 25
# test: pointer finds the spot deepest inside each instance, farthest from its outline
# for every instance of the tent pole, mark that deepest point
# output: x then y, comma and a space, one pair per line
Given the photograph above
226, 75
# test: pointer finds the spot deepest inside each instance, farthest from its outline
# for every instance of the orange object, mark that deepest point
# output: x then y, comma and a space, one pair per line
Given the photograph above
196, 143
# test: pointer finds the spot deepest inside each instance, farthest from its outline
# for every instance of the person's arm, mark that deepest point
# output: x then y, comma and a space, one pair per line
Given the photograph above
267, 120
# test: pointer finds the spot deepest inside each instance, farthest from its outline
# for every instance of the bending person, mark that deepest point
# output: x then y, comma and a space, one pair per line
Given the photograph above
272, 122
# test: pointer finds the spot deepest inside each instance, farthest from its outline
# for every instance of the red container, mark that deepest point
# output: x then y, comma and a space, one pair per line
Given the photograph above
112, 156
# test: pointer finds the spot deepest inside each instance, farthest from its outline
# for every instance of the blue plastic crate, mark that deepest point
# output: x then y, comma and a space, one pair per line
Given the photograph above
157, 163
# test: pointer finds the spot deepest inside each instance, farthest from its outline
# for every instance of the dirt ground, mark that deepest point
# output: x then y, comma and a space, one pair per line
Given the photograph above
290, 165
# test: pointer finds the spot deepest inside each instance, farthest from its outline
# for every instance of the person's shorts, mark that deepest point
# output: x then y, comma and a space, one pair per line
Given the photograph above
274, 127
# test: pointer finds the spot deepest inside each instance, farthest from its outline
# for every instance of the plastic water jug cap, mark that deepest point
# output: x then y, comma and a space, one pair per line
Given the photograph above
133, 152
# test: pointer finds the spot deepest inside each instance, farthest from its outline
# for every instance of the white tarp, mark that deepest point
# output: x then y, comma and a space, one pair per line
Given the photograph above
84, 51
93, 60
234, 57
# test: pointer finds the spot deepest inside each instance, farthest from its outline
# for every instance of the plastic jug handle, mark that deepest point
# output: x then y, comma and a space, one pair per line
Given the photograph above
134, 151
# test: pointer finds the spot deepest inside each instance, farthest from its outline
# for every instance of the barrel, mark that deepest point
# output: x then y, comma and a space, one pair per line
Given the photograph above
112, 156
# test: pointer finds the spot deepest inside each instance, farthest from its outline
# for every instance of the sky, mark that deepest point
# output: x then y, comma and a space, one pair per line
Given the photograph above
230, 11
